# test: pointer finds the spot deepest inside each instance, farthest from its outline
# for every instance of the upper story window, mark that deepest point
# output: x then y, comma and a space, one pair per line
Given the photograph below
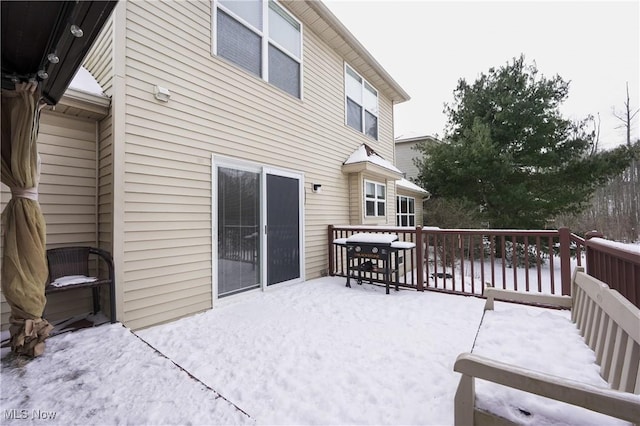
405, 211
261, 37
361, 103
374, 199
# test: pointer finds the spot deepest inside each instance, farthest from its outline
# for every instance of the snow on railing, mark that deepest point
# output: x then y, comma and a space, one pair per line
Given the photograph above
466, 260
616, 264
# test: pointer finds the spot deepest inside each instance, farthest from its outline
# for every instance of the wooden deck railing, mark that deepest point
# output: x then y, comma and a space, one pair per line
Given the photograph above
616, 266
466, 260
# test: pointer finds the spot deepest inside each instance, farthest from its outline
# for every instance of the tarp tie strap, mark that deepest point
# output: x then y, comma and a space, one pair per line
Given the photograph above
29, 193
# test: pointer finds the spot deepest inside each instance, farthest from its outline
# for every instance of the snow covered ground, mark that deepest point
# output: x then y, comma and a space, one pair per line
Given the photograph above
309, 354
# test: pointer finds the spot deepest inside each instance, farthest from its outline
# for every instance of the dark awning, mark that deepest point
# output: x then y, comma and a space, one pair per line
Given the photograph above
33, 30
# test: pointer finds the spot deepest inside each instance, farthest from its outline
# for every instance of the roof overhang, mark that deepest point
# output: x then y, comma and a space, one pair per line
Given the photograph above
81, 104
328, 27
404, 185
427, 138
32, 30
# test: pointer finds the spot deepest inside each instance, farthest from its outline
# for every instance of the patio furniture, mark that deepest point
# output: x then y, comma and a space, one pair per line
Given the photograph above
69, 269
610, 326
374, 254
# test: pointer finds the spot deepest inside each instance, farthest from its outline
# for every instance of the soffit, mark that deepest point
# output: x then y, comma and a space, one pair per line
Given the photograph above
75, 103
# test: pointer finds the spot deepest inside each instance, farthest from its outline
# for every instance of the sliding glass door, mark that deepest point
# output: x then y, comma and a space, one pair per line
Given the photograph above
258, 229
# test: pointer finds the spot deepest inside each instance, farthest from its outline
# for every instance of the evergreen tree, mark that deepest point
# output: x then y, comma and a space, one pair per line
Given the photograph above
509, 151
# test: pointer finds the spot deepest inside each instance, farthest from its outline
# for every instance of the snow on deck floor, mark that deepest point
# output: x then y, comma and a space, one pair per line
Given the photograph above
311, 353
321, 353
106, 376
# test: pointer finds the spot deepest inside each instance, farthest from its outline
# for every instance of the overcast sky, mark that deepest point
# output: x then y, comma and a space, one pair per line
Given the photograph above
427, 46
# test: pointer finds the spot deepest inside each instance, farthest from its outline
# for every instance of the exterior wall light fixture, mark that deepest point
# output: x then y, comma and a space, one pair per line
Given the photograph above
162, 94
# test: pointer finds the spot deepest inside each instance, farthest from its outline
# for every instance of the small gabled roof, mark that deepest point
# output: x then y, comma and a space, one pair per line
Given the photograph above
366, 159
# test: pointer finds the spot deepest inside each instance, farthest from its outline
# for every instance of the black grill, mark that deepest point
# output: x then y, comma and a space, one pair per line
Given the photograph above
371, 258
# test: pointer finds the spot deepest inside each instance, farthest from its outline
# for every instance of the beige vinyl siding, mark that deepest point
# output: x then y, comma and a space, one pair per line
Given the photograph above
356, 191
404, 159
217, 108
67, 195
105, 195
99, 60
105, 184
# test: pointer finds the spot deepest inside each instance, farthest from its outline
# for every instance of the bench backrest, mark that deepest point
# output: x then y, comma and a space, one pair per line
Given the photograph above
610, 325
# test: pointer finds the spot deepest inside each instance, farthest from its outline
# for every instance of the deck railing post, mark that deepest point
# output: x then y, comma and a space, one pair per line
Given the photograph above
565, 260
331, 271
590, 255
419, 259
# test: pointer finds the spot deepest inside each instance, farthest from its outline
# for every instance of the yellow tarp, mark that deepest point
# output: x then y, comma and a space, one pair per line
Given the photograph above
24, 265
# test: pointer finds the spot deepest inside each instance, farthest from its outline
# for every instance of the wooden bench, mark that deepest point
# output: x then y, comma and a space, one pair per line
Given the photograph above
609, 325
70, 269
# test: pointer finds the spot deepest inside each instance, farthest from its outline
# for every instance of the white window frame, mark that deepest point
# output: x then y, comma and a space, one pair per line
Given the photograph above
407, 214
265, 40
376, 113
376, 201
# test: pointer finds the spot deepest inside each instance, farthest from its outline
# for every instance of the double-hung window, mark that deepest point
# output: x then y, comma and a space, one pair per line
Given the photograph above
374, 199
261, 37
405, 211
361, 103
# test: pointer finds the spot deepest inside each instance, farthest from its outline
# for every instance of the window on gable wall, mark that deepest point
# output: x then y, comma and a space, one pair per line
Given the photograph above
261, 37
361, 103
405, 211
374, 199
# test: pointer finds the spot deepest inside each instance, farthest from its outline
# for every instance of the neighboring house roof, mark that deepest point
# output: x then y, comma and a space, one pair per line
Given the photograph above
410, 186
318, 16
414, 137
366, 159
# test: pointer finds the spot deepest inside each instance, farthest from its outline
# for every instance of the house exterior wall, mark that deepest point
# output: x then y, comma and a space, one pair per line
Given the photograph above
100, 58
156, 158
67, 196
405, 153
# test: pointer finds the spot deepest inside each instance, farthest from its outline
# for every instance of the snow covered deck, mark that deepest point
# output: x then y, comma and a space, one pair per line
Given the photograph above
312, 353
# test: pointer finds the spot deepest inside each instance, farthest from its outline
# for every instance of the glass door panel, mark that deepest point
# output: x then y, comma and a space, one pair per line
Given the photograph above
238, 230
283, 229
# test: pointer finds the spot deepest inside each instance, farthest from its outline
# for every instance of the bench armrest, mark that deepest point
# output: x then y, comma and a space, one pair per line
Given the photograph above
614, 403
492, 294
